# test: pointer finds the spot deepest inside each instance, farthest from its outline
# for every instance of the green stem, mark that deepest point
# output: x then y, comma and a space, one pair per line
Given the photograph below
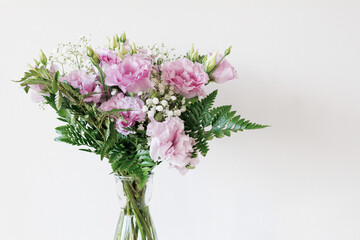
139, 217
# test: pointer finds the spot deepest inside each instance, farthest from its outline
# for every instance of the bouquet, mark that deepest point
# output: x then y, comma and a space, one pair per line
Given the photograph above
137, 107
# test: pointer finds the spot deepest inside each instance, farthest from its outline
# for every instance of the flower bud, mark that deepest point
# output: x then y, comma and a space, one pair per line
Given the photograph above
92, 55
191, 50
194, 56
109, 41
121, 50
210, 62
123, 37
227, 51
43, 58
90, 52
133, 49
115, 44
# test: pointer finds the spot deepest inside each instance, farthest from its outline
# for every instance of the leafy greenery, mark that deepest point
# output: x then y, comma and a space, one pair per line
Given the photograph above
219, 122
88, 126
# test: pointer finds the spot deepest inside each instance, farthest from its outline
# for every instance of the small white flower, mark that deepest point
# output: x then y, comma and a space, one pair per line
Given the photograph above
139, 93
173, 98
150, 114
159, 108
148, 101
161, 91
145, 109
141, 127
114, 91
183, 109
161, 86
164, 103
170, 113
177, 112
167, 97
171, 88
154, 80
155, 100
183, 101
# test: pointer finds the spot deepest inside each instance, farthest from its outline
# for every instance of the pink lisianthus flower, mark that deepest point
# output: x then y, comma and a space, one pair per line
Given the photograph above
131, 75
170, 143
107, 57
120, 101
186, 77
224, 72
85, 83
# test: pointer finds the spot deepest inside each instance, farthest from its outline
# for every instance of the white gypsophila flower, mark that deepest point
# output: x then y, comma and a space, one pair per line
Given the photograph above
159, 108
173, 98
183, 101
170, 113
155, 100
161, 91
183, 109
167, 97
150, 114
164, 103
145, 109
139, 93
161, 86
148, 101
114, 91
177, 112
141, 127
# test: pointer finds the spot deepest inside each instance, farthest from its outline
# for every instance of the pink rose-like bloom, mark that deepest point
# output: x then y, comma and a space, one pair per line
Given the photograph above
107, 57
186, 77
224, 72
170, 143
86, 83
131, 75
120, 101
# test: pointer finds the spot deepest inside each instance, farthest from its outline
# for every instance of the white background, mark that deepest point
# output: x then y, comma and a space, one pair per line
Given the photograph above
298, 64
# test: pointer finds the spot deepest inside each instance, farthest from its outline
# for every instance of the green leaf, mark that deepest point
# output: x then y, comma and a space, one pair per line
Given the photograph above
58, 99
55, 86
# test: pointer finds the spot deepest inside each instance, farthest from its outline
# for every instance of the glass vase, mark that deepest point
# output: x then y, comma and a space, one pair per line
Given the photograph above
135, 222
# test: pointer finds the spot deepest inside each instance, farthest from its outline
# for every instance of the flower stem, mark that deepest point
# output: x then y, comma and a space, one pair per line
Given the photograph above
142, 224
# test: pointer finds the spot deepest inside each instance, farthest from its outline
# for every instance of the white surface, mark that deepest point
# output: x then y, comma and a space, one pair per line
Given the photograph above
299, 72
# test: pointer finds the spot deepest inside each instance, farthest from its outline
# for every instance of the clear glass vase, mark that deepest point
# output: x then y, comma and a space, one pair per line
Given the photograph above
135, 222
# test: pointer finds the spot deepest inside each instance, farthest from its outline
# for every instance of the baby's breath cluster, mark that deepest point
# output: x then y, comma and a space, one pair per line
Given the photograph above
72, 55
162, 101
160, 53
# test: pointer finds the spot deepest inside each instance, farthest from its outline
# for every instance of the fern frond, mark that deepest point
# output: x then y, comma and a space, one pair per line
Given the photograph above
196, 119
